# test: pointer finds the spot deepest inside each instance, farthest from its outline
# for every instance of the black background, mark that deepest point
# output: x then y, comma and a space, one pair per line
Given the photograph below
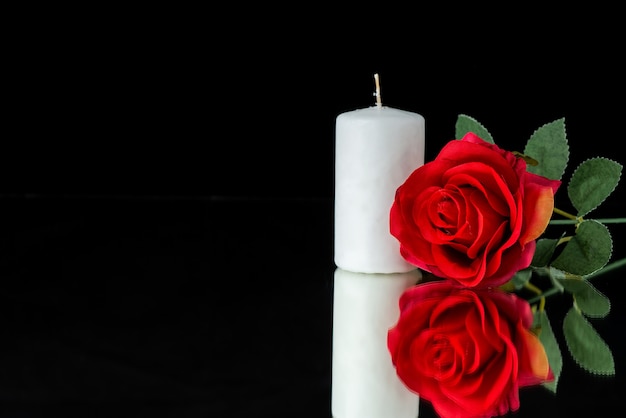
167, 183
168, 101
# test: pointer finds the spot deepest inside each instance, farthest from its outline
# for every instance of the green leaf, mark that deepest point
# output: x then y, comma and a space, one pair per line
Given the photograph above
550, 344
555, 273
588, 299
588, 251
585, 345
548, 145
521, 278
592, 182
465, 124
544, 252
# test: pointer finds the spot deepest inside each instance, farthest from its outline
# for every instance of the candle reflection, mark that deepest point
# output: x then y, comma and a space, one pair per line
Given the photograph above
364, 382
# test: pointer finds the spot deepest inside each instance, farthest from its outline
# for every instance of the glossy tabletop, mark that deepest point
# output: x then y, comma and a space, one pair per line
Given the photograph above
199, 307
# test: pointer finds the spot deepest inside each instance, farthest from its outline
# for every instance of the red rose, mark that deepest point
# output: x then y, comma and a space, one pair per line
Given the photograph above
467, 351
472, 215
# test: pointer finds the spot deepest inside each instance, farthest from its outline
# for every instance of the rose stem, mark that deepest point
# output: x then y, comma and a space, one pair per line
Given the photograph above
544, 295
563, 213
538, 292
602, 220
608, 267
553, 290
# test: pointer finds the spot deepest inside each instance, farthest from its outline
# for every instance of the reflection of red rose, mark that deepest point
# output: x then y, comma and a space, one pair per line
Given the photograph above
467, 351
472, 215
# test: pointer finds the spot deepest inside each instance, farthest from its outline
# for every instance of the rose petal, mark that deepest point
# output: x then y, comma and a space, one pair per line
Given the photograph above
533, 358
471, 215
538, 208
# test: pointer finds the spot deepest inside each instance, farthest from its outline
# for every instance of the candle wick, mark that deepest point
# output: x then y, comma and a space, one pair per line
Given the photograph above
379, 101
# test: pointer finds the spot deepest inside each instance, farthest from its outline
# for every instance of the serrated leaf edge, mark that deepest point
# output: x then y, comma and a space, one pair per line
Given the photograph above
593, 289
608, 258
612, 190
569, 348
558, 373
478, 123
610, 250
562, 120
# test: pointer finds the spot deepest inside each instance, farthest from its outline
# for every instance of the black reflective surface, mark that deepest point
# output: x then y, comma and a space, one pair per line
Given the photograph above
199, 307
214, 298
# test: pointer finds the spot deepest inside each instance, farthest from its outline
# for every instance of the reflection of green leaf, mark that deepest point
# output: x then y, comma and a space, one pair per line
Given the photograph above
521, 278
592, 182
550, 344
465, 124
589, 250
586, 346
544, 251
548, 145
590, 301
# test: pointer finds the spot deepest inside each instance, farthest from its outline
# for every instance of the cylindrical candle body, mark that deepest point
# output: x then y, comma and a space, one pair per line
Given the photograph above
364, 381
376, 149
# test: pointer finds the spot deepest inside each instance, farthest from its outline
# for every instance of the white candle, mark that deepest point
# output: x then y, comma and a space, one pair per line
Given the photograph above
376, 149
364, 381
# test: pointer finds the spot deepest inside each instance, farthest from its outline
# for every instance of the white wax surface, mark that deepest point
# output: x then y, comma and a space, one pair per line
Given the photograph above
375, 151
364, 381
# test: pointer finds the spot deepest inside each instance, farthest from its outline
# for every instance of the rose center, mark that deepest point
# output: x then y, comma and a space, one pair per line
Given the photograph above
443, 357
446, 211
